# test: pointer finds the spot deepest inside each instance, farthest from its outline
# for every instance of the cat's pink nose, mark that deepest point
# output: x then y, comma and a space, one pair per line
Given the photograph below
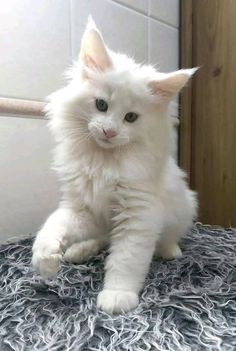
109, 133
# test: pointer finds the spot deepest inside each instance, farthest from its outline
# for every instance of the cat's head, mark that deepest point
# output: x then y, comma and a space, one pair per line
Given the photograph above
118, 101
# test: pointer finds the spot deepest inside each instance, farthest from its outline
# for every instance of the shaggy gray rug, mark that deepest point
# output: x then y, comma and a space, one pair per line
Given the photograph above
186, 304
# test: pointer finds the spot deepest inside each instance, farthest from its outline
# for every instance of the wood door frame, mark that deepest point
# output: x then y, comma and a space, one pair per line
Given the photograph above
186, 61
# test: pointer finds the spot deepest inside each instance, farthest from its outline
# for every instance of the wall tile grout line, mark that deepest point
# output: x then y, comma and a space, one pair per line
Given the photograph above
129, 7
71, 35
163, 22
21, 98
72, 30
148, 15
148, 33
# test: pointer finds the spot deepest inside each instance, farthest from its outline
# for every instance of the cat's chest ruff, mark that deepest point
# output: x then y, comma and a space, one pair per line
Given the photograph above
98, 167
96, 187
98, 179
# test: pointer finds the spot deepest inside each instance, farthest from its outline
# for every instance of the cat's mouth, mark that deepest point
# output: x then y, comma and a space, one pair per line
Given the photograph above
105, 143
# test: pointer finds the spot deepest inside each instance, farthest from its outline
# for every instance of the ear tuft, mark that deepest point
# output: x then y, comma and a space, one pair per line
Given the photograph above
94, 54
91, 24
171, 83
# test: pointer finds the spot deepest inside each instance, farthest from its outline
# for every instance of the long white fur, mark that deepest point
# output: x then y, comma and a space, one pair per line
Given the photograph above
127, 193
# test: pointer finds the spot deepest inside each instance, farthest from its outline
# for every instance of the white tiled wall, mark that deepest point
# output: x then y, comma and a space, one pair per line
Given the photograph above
28, 188
39, 39
166, 11
163, 53
35, 46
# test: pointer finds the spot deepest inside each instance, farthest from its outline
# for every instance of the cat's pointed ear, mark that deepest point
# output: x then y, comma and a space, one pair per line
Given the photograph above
93, 53
171, 83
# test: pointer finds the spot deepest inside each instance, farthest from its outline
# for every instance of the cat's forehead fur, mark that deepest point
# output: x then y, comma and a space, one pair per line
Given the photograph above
125, 75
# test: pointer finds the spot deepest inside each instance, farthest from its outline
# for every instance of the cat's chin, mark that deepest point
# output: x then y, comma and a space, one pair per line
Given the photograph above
105, 144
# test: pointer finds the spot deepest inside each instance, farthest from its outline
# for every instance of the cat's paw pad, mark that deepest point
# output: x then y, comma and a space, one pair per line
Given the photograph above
81, 252
171, 252
46, 258
117, 301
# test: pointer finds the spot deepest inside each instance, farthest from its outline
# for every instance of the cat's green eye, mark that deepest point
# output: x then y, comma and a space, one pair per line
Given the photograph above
131, 117
101, 105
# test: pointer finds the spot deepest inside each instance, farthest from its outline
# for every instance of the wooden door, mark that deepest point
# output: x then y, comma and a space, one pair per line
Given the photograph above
208, 118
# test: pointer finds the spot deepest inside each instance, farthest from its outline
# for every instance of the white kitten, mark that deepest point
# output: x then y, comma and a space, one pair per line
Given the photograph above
120, 184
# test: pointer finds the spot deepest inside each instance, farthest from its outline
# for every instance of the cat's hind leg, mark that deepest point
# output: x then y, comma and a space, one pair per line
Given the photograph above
179, 218
80, 252
167, 246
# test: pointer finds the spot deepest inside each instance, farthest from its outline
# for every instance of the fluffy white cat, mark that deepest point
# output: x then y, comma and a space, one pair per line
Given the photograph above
121, 186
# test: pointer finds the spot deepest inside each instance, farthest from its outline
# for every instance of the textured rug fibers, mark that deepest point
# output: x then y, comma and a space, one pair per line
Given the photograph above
187, 304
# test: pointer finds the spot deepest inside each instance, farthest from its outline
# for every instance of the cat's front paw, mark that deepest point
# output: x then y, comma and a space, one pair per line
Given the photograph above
46, 257
117, 301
